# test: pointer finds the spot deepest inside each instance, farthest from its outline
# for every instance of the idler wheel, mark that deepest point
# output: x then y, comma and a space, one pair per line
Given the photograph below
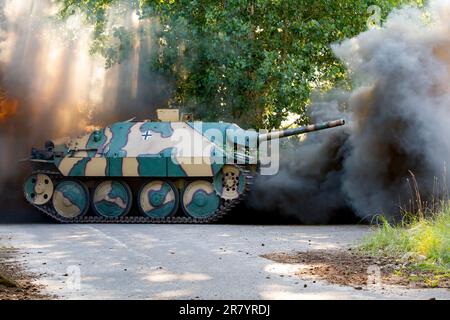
229, 182
71, 199
200, 199
158, 199
38, 189
112, 199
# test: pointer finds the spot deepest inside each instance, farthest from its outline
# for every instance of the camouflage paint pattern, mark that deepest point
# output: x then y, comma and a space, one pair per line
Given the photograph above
158, 199
300, 130
111, 199
70, 199
200, 199
162, 149
140, 149
38, 189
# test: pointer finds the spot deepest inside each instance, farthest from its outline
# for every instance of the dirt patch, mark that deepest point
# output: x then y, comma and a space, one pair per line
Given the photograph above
353, 268
15, 283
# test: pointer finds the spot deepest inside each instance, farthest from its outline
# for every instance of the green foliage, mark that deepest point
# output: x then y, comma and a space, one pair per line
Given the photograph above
250, 61
115, 44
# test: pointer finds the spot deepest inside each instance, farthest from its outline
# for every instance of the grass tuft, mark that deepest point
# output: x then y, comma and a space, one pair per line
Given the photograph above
422, 242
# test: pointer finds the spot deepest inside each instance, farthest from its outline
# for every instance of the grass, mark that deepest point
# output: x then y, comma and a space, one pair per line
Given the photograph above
422, 243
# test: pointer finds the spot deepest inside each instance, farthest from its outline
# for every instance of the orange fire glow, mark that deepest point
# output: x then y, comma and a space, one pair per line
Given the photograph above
8, 108
91, 128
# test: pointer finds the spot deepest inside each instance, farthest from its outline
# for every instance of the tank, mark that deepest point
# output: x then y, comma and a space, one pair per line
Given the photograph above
173, 170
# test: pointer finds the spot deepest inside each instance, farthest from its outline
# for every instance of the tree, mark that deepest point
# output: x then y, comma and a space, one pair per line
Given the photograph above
248, 61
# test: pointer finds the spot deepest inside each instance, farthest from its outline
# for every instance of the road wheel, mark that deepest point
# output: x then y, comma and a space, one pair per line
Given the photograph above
200, 199
71, 199
112, 199
158, 199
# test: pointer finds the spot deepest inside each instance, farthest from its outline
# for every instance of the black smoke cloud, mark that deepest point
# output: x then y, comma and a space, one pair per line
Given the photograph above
398, 124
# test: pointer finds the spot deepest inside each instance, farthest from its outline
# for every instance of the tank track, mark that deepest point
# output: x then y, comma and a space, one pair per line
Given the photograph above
223, 210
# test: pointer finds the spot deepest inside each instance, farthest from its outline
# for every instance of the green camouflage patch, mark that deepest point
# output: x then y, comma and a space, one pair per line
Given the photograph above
111, 199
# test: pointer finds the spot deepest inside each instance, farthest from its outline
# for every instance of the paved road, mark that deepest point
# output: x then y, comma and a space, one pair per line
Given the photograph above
183, 261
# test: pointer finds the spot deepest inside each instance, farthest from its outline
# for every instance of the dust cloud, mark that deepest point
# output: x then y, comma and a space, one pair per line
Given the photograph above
52, 86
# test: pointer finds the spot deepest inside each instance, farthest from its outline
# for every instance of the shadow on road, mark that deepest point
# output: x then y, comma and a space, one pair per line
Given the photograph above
241, 215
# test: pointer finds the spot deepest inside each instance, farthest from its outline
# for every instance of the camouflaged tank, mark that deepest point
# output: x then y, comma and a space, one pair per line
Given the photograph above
170, 170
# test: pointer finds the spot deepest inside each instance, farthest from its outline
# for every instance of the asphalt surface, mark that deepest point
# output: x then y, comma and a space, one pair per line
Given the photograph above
184, 261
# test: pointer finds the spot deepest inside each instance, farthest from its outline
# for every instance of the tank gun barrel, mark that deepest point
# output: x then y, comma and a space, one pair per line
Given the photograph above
304, 129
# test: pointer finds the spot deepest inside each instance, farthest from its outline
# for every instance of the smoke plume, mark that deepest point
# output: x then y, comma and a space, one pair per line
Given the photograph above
398, 126
52, 86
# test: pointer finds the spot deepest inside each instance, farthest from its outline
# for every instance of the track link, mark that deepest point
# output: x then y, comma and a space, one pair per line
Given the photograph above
224, 209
